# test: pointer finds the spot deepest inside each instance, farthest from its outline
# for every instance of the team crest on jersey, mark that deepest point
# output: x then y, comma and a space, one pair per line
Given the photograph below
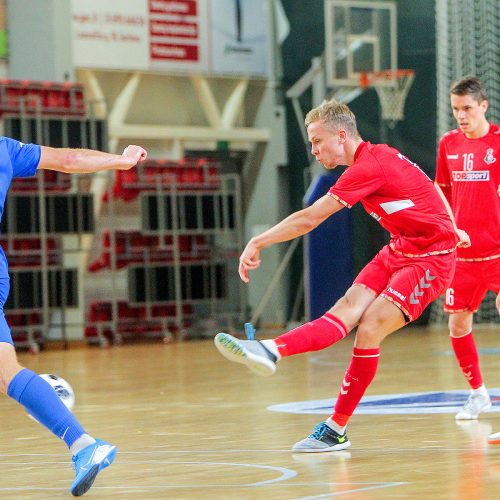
394, 404
489, 158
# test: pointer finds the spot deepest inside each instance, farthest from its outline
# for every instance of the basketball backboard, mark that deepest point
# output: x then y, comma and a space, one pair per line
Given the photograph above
360, 37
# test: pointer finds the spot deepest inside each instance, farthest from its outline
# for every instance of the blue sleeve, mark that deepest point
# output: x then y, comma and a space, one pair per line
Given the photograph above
24, 157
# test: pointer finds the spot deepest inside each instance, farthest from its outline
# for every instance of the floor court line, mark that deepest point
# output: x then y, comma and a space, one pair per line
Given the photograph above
167, 451
355, 490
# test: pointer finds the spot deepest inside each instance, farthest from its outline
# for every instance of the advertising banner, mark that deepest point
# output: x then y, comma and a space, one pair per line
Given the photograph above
208, 36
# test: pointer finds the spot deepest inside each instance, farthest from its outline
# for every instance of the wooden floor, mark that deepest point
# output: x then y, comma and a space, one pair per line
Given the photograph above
189, 424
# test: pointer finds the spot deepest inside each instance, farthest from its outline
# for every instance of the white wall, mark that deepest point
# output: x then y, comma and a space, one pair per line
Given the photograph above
40, 39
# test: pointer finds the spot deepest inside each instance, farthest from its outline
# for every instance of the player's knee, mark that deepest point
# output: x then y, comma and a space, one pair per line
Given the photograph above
368, 336
459, 329
460, 325
349, 311
9, 367
375, 325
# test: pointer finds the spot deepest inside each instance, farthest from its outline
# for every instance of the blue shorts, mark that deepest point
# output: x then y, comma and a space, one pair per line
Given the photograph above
5, 333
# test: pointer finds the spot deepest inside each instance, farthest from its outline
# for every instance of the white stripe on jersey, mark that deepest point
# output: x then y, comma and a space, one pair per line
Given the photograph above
395, 206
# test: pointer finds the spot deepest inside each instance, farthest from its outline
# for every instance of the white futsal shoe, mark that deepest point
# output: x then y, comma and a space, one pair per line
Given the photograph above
251, 353
474, 406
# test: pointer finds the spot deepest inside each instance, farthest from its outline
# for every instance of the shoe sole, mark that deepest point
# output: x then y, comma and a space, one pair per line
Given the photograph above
494, 438
335, 447
231, 348
472, 417
88, 480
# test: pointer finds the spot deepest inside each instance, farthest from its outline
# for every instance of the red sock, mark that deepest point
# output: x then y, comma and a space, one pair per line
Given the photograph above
468, 359
312, 336
357, 378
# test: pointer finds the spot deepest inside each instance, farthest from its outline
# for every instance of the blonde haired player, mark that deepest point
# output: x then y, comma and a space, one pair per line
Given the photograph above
468, 173
391, 291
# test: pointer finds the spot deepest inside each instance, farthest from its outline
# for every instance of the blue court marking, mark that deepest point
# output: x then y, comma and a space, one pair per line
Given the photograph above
394, 404
329, 359
486, 351
326, 359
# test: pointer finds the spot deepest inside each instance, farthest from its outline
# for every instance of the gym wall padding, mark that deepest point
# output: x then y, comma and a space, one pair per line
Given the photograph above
329, 254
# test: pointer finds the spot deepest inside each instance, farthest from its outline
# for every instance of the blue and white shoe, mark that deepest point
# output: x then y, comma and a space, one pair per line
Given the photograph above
324, 438
88, 463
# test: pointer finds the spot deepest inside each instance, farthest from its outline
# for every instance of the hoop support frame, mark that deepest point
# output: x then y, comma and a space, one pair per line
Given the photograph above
392, 87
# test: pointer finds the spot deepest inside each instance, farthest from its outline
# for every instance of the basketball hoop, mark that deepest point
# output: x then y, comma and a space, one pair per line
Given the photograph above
392, 87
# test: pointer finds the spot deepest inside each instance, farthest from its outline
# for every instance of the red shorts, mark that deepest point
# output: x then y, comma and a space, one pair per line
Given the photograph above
410, 283
471, 282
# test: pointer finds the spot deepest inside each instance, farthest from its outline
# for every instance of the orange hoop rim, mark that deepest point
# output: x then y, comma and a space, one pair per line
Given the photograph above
368, 78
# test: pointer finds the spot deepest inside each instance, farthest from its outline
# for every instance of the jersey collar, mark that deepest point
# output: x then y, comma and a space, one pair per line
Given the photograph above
360, 148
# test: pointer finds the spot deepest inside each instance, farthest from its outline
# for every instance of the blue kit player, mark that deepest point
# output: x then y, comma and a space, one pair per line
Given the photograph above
21, 384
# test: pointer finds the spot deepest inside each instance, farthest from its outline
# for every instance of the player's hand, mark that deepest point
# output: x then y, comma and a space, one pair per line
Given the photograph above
249, 260
464, 239
135, 154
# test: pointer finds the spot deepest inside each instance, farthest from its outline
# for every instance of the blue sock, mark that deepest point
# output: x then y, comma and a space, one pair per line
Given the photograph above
42, 402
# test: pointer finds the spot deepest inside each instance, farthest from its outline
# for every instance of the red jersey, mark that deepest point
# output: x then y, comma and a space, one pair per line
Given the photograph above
468, 170
398, 194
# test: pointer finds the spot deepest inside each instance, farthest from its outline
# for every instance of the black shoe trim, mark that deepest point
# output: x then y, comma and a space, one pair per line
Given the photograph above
86, 482
272, 356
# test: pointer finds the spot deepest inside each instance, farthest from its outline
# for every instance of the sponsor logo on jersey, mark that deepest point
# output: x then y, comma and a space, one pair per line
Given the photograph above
472, 176
489, 158
396, 404
396, 293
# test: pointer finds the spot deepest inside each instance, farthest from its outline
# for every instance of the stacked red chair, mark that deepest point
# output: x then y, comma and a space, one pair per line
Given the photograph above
133, 321
183, 175
42, 97
122, 248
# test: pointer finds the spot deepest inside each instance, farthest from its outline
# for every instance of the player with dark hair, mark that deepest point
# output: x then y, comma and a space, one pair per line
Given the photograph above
468, 173
391, 291
21, 384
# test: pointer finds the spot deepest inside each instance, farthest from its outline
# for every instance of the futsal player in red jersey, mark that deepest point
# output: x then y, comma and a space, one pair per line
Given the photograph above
392, 290
468, 173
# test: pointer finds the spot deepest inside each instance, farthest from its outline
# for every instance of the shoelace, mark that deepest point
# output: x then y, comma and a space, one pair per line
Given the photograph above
319, 431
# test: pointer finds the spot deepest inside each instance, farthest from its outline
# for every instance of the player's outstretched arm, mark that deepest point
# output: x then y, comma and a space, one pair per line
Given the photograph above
84, 161
296, 224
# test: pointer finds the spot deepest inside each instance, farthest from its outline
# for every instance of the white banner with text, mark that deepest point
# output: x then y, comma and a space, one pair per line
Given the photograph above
208, 36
